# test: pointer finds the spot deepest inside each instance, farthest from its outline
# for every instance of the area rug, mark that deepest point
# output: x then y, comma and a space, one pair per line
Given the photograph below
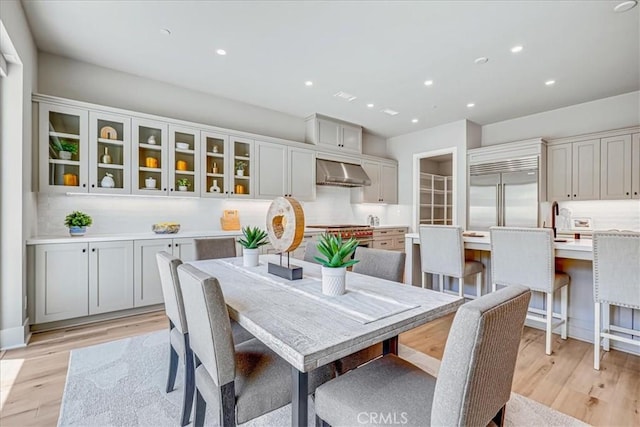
121, 383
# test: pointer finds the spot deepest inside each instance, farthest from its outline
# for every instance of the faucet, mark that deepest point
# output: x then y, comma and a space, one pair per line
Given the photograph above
554, 211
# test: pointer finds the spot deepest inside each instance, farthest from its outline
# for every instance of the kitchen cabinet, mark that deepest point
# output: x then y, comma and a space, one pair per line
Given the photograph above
61, 273
436, 199
620, 158
215, 158
334, 134
391, 239
573, 171
110, 276
184, 161
285, 171
384, 184
109, 153
241, 168
64, 149
150, 155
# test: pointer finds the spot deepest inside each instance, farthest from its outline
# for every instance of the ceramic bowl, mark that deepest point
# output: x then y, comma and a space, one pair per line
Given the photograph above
182, 145
166, 228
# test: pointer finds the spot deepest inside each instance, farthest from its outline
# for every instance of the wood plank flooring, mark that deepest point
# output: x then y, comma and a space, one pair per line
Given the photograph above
32, 378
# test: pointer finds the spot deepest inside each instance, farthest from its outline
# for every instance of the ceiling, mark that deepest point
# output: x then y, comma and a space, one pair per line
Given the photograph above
381, 52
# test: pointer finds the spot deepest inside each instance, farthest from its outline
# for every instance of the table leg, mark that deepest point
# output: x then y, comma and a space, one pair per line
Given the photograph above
390, 346
299, 392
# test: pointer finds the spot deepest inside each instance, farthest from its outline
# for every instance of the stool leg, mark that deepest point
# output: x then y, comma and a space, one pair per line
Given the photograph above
424, 279
564, 309
479, 285
549, 319
606, 313
493, 287
461, 287
596, 336
441, 280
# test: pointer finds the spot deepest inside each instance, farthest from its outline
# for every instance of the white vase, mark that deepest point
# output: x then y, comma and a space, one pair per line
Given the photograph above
65, 155
333, 281
182, 188
250, 257
240, 172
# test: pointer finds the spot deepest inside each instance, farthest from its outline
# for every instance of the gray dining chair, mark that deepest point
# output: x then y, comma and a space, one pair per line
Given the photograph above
525, 256
442, 253
616, 281
388, 265
240, 383
311, 251
473, 385
215, 248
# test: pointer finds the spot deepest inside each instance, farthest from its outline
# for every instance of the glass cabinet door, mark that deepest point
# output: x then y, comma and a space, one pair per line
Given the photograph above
214, 152
241, 167
184, 161
109, 153
63, 149
150, 156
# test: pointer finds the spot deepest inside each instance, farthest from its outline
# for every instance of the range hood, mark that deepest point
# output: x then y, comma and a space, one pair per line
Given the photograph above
341, 174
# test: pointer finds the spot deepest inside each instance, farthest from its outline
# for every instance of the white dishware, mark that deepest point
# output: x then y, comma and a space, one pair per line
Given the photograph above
107, 181
150, 182
151, 140
182, 145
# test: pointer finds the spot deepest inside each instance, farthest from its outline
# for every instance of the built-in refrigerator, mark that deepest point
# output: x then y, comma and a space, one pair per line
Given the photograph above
503, 193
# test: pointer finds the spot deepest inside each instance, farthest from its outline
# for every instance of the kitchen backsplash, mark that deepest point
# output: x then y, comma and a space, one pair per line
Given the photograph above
604, 214
135, 214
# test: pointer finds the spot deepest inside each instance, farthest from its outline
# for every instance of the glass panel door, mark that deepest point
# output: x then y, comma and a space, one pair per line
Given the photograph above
184, 161
150, 157
110, 154
241, 167
215, 151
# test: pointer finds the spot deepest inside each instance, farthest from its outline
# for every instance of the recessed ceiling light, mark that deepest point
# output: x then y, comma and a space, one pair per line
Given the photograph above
428, 82
625, 6
517, 49
550, 82
471, 105
390, 112
165, 31
308, 83
344, 95
481, 60
414, 120
370, 105
221, 52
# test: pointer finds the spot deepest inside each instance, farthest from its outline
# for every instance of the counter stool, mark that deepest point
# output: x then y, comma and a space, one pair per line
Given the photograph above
616, 281
525, 256
442, 253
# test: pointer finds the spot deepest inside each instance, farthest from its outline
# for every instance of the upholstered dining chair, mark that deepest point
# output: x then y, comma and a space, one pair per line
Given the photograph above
388, 265
473, 385
525, 256
442, 253
215, 248
616, 281
241, 383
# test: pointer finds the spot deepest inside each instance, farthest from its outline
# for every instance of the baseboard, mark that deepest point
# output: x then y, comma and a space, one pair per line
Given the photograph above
79, 321
15, 337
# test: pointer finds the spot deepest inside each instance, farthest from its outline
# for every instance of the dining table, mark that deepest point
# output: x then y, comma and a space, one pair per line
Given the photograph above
309, 329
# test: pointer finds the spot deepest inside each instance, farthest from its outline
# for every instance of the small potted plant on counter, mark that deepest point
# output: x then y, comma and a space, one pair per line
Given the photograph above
253, 238
337, 257
183, 184
77, 222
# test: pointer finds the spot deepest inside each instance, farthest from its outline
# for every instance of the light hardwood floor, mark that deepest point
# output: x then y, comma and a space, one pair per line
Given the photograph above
32, 378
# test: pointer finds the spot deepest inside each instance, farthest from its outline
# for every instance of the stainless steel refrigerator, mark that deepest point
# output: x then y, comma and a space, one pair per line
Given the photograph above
503, 193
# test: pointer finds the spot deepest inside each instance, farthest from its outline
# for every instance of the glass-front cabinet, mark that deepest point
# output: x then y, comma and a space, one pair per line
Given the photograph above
109, 153
150, 154
184, 161
214, 154
241, 167
63, 149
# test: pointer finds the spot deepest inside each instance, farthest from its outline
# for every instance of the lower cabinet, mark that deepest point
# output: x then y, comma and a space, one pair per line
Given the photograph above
391, 239
147, 288
110, 276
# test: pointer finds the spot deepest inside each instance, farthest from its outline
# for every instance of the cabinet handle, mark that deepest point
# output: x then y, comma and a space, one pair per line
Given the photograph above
93, 249
575, 195
84, 185
232, 192
176, 245
84, 250
568, 195
169, 245
164, 189
635, 193
171, 189
93, 186
627, 193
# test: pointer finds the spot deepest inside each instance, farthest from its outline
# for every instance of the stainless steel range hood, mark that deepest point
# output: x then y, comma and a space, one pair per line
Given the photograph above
341, 174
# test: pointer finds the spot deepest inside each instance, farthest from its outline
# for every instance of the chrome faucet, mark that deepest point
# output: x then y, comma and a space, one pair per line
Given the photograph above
554, 211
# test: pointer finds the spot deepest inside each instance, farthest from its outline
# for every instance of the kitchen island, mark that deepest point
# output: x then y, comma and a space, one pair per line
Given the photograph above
573, 257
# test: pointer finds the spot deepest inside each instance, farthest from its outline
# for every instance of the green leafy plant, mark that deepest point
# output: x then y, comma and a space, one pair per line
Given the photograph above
183, 182
336, 251
64, 145
240, 164
254, 237
78, 219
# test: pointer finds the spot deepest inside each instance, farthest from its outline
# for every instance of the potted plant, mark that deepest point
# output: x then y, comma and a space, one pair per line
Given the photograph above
183, 184
65, 148
253, 238
240, 165
337, 257
77, 222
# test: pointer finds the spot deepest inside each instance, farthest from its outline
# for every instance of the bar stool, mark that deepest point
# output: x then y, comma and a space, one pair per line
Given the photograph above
616, 281
442, 253
525, 256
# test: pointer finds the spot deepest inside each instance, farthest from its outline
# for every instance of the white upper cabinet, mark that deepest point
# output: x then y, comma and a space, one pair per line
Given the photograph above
559, 172
215, 175
384, 184
635, 166
241, 168
334, 134
109, 153
150, 154
184, 161
573, 171
616, 167
285, 171
64, 149
302, 173
389, 183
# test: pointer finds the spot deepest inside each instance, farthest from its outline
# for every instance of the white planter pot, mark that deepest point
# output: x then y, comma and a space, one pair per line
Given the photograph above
250, 257
240, 172
182, 188
333, 281
65, 155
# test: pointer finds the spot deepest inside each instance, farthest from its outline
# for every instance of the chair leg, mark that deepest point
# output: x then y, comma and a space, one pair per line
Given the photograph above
321, 423
189, 382
441, 281
564, 311
596, 336
228, 405
461, 287
493, 287
549, 321
200, 410
479, 278
424, 280
173, 368
499, 418
606, 320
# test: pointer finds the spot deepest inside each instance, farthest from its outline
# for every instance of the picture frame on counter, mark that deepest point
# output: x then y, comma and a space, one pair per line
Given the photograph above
581, 224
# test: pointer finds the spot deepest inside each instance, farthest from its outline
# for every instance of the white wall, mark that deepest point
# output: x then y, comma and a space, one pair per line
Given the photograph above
603, 114
16, 199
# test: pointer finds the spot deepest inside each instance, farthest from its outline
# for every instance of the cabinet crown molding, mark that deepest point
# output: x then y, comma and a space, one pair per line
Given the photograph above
595, 135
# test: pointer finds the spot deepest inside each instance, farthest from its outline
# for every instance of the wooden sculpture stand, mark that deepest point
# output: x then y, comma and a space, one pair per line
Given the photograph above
285, 227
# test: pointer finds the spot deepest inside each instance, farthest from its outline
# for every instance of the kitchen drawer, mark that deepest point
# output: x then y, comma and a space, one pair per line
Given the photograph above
383, 244
398, 243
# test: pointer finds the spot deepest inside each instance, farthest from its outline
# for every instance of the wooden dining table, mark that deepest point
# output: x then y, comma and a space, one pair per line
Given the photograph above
308, 329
